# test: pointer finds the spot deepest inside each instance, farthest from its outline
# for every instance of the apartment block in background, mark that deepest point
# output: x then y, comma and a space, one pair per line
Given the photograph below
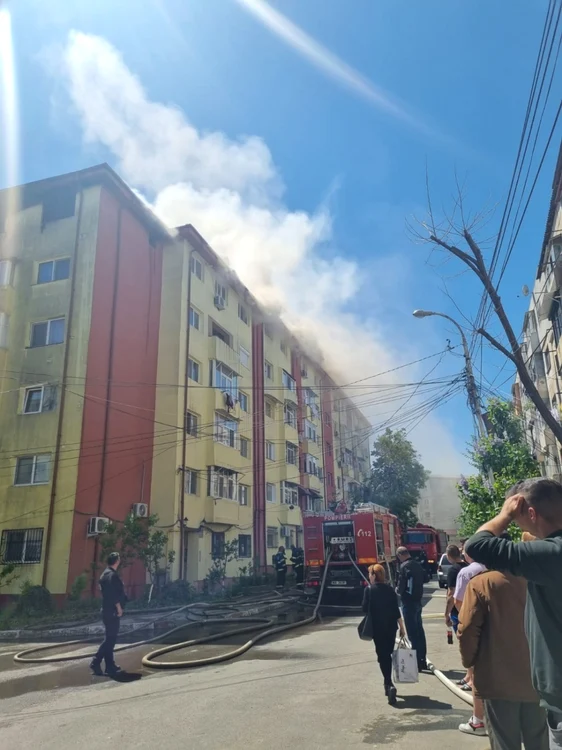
80, 281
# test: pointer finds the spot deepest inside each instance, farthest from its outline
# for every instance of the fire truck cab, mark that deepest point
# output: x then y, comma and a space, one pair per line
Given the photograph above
350, 542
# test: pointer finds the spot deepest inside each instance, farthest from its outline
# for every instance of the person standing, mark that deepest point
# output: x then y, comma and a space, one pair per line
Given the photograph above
297, 561
535, 505
465, 575
113, 601
280, 564
410, 590
492, 642
381, 603
457, 564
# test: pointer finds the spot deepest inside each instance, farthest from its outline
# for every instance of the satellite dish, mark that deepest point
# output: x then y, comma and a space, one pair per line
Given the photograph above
525, 290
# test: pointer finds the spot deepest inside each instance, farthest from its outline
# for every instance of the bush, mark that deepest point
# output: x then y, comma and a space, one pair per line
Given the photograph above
176, 592
34, 601
78, 588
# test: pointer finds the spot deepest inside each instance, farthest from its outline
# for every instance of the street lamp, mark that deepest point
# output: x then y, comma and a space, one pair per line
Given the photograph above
470, 382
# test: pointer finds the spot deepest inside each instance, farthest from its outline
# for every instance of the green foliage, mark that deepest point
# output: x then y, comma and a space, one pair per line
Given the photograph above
396, 478
78, 588
8, 574
217, 572
34, 601
175, 592
505, 452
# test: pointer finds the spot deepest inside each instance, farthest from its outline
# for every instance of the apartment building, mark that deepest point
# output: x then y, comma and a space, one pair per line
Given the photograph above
80, 281
140, 376
542, 339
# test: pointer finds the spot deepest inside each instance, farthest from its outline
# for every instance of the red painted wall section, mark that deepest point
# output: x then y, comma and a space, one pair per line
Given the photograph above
326, 396
115, 463
258, 428
301, 415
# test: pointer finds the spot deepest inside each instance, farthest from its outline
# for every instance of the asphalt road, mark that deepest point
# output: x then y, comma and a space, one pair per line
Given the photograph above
316, 688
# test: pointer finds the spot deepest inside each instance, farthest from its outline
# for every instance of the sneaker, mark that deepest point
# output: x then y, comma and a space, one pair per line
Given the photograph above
112, 671
95, 666
391, 695
479, 730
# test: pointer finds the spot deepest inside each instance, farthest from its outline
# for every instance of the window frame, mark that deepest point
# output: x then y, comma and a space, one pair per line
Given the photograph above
289, 494
193, 266
268, 486
244, 447
191, 423
244, 495
32, 483
37, 544
244, 548
269, 409
268, 370
53, 274
289, 447
49, 324
191, 481
244, 401
191, 364
218, 542
270, 450
272, 534
290, 409
220, 286
226, 431
243, 314
288, 381
245, 359
7, 277
42, 388
194, 315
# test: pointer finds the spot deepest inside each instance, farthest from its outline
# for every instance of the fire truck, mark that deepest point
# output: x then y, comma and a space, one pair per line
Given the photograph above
350, 542
426, 544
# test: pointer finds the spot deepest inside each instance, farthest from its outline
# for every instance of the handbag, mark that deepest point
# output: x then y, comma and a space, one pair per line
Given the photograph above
365, 627
405, 663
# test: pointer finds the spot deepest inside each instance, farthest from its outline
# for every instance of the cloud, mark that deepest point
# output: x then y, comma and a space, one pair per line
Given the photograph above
336, 68
231, 191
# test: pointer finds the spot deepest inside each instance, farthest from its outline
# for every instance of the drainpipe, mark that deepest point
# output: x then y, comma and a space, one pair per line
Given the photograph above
62, 402
184, 421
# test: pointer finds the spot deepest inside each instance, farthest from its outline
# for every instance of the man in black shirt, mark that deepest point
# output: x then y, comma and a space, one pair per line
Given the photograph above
457, 564
113, 601
410, 590
280, 564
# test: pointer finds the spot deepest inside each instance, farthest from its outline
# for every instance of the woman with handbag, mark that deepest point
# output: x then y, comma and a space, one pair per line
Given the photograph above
382, 620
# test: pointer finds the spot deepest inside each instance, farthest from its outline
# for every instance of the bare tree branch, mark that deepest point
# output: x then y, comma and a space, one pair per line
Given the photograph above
460, 254
496, 344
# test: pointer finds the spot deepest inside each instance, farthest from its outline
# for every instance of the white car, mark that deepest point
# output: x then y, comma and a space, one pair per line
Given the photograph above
442, 570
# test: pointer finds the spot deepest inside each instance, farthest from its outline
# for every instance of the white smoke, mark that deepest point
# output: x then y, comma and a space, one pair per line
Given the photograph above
232, 193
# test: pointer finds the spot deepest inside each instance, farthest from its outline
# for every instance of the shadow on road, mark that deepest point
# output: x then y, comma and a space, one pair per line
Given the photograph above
126, 677
422, 702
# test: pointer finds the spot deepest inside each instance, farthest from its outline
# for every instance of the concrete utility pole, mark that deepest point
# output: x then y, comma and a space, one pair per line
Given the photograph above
473, 395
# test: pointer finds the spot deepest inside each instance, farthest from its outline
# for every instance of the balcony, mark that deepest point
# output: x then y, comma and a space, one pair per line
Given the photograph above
312, 482
220, 510
290, 394
288, 516
222, 352
307, 445
220, 405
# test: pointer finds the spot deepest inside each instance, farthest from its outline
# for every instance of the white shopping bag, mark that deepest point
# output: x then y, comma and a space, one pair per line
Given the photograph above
405, 663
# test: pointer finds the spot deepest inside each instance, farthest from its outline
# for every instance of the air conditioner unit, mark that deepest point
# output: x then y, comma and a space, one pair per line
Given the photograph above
97, 525
140, 510
285, 531
220, 302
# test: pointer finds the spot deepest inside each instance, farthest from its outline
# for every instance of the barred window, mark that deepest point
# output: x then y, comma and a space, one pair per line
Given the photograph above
21, 546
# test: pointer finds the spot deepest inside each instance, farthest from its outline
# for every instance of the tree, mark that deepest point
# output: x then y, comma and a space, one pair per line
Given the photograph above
397, 476
443, 237
504, 451
8, 573
221, 558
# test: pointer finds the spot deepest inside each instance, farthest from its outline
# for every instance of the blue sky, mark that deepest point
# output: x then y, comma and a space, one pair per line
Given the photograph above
461, 71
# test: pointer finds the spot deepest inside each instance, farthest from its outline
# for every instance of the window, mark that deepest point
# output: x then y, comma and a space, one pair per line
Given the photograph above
556, 318
290, 414
243, 314
220, 290
328, 449
225, 379
190, 481
244, 357
268, 332
311, 465
270, 492
47, 333
289, 493
53, 270
291, 453
244, 448
33, 469
217, 544
6, 271
330, 479
270, 450
304, 371
339, 483
288, 381
269, 409
196, 267
309, 397
225, 431
243, 494
38, 399
272, 537
222, 483
4, 329
244, 545
268, 369
194, 319
193, 370
309, 430
283, 347
379, 536
21, 546
221, 333
191, 423
59, 203
243, 398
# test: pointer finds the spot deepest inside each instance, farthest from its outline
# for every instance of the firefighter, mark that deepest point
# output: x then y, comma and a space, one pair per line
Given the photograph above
280, 565
297, 560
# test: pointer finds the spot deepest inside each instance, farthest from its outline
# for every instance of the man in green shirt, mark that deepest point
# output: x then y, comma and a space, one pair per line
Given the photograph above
536, 506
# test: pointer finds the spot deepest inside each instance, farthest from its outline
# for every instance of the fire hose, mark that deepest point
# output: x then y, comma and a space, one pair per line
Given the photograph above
200, 616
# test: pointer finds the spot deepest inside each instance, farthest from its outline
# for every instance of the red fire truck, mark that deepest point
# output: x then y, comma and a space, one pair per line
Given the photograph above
426, 542
370, 534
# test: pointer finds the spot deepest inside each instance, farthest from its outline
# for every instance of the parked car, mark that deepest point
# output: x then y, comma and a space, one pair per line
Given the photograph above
442, 570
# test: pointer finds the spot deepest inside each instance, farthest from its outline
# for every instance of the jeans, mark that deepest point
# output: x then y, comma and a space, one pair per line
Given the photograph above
105, 651
384, 646
414, 627
509, 723
555, 729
